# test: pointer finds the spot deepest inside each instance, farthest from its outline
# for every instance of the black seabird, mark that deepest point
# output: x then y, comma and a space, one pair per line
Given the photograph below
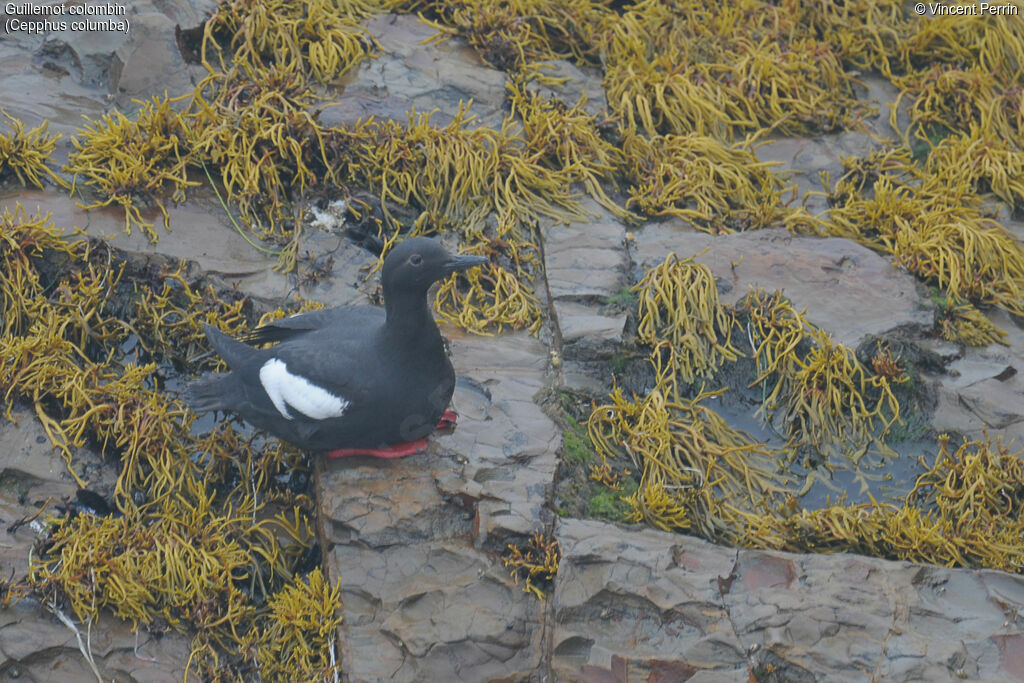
353, 380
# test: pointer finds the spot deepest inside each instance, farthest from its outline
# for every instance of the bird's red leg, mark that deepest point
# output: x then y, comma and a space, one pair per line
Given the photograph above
448, 420
398, 450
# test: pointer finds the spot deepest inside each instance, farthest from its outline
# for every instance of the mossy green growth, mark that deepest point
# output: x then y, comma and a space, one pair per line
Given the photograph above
576, 445
623, 299
609, 503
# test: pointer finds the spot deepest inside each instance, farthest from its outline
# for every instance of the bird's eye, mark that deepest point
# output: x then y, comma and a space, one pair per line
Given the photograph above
416, 260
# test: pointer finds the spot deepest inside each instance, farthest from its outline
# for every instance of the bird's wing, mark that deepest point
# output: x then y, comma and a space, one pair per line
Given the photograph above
302, 323
322, 375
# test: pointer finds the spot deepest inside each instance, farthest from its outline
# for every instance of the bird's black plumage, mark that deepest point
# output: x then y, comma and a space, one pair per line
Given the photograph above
347, 377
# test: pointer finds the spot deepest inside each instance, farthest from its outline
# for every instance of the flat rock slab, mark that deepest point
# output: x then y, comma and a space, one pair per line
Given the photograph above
848, 290
803, 159
632, 604
983, 390
415, 541
586, 263
410, 73
585, 260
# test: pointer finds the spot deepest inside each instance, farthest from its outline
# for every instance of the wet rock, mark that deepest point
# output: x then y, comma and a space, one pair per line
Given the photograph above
149, 63
89, 56
878, 91
848, 290
1016, 228
585, 264
800, 160
508, 442
410, 74
634, 604
585, 260
580, 323
36, 646
983, 390
38, 90
853, 616
422, 601
433, 612
804, 159
384, 503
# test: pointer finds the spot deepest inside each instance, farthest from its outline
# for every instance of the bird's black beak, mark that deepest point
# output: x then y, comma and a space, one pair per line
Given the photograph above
464, 262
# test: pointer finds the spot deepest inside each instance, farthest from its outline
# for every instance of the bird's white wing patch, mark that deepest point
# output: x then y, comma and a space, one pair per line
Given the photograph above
286, 389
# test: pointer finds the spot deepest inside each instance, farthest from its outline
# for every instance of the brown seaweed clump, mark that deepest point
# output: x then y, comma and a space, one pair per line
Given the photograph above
202, 536
25, 152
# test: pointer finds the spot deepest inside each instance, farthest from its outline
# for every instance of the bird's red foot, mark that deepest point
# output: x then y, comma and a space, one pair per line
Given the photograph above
448, 420
398, 450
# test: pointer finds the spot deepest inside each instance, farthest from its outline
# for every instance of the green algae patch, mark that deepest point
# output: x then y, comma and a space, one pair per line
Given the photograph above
202, 536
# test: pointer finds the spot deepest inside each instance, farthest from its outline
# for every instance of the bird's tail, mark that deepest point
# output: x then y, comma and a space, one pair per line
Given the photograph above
208, 393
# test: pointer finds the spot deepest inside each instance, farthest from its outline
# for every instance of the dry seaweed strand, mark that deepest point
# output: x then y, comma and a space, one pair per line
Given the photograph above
717, 187
129, 160
567, 138
268, 149
964, 511
25, 152
304, 622
721, 70
521, 35
977, 163
539, 562
321, 38
936, 231
962, 322
456, 177
696, 470
677, 303
817, 389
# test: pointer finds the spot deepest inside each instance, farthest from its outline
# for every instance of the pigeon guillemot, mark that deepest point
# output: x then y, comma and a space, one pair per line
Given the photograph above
353, 380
